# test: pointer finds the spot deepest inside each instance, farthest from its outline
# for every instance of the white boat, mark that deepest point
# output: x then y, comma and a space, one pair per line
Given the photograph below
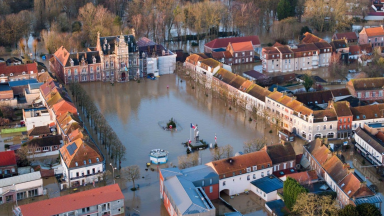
158, 156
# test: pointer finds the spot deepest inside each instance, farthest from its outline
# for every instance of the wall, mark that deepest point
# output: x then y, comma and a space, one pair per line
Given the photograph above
42, 120
318, 128
239, 183
280, 166
369, 148
215, 191
167, 64
267, 197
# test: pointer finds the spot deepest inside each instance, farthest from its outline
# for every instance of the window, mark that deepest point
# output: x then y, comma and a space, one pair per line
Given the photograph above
367, 94
89, 161
23, 73
248, 177
97, 159
202, 183
318, 128
268, 172
11, 74
249, 169
233, 173
330, 126
254, 176
254, 168
97, 68
223, 183
210, 181
262, 174
359, 94
325, 127
76, 164
373, 94
85, 162
210, 189
32, 193
45, 148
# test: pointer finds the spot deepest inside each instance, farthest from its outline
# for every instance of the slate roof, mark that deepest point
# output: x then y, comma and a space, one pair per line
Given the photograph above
318, 115
255, 74
268, 184
277, 207
20, 179
74, 201
40, 130
373, 141
7, 158
186, 197
223, 42
112, 40
45, 141
281, 153
144, 41
21, 82
241, 162
339, 44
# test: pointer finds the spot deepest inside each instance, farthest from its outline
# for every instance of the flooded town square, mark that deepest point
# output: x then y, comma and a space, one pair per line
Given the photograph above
134, 111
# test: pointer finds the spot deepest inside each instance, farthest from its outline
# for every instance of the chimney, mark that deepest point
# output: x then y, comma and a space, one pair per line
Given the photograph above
329, 155
274, 89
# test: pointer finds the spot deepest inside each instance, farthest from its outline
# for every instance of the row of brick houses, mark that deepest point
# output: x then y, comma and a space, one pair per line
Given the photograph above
234, 175
326, 114
82, 161
339, 177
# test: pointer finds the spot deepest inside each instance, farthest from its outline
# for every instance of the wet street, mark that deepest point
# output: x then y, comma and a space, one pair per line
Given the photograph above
134, 111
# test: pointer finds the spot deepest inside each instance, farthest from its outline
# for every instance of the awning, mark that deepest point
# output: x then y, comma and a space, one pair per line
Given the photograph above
304, 162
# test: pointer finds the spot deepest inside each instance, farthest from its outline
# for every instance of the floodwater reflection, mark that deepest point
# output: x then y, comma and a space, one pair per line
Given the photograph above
134, 109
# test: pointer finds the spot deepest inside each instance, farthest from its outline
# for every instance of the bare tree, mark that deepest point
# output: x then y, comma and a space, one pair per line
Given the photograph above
188, 160
253, 145
131, 173
312, 204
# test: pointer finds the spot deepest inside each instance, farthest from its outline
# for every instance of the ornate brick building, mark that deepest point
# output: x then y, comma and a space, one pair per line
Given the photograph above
115, 58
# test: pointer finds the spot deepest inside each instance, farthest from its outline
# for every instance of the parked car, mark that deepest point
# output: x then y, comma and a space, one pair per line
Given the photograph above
352, 71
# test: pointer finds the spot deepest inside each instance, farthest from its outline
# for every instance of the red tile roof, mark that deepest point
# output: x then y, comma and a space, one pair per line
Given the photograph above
371, 32
18, 69
63, 107
82, 151
223, 42
242, 46
304, 177
62, 55
229, 165
73, 201
311, 38
347, 35
7, 158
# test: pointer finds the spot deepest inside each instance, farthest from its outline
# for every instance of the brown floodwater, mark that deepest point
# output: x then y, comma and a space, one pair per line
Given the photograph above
134, 111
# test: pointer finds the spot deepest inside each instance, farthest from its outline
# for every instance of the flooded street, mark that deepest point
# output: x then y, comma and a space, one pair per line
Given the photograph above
134, 110
365, 171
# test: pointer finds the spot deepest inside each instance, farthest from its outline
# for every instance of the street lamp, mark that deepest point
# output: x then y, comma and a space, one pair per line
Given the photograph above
113, 173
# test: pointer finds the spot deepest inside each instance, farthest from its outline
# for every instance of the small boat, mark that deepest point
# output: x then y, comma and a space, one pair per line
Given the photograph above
158, 156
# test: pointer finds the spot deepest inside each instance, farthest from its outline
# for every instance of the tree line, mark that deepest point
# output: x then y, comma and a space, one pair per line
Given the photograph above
105, 134
75, 23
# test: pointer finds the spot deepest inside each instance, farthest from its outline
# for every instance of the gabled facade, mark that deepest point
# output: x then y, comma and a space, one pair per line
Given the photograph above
283, 156
222, 43
207, 68
17, 72
236, 173
192, 60
82, 162
373, 36
8, 164
367, 88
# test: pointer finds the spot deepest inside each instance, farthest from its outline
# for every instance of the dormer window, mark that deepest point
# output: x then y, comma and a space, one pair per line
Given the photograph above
97, 159
89, 161
94, 60
2, 75
325, 118
254, 168
71, 62
76, 164
11, 74
85, 162
23, 73
363, 116
249, 169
